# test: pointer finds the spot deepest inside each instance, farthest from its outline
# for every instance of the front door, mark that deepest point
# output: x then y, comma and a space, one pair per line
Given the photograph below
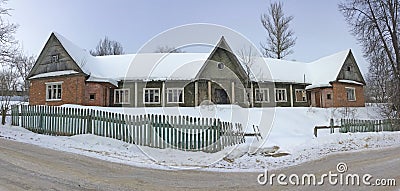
220, 97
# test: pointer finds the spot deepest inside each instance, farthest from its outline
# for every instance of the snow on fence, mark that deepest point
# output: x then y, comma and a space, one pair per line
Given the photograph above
355, 125
159, 131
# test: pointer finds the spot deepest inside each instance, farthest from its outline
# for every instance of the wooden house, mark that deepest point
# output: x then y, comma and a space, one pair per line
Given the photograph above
67, 74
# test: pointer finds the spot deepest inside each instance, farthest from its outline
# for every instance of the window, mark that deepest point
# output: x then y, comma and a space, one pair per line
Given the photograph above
262, 95
220, 65
280, 95
53, 91
121, 96
329, 96
54, 58
92, 96
301, 95
351, 94
349, 68
151, 95
175, 95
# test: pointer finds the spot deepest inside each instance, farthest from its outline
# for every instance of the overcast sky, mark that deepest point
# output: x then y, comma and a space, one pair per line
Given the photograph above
319, 27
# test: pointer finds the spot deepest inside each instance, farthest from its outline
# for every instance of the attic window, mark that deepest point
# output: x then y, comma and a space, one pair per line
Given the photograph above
220, 65
348, 68
54, 58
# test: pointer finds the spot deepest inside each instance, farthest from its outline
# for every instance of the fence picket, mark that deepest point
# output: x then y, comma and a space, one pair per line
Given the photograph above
160, 131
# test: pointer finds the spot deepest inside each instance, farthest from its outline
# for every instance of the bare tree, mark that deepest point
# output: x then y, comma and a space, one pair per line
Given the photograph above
7, 31
7, 52
8, 88
280, 38
376, 23
378, 79
107, 47
247, 57
23, 65
167, 49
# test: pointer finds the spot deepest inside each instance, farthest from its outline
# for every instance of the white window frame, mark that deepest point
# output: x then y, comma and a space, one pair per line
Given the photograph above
122, 101
174, 90
354, 92
280, 89
302, 90
151, 89
265, 98
51, 84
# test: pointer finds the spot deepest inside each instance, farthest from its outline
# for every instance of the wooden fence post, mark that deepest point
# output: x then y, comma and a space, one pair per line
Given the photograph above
89, 122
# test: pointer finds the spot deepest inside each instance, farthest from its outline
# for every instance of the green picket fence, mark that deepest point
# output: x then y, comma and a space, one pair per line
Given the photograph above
159, 131
356, 125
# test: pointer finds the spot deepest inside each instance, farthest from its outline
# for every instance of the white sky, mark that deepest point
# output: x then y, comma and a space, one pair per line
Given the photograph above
320, 28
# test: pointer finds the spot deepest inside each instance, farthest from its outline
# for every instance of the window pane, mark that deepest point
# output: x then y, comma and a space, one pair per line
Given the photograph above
180, 96
126, 98
156, 95
117, 96
59, 92
350, 94
169, 96
48, 92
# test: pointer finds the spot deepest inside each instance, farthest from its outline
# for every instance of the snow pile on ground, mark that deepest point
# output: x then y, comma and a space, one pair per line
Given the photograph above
290, 141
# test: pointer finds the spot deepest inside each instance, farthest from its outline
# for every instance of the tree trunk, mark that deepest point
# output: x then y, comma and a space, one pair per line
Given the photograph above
3, 116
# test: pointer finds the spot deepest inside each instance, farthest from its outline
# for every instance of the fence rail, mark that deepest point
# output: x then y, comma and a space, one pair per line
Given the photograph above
159, 131
355, 125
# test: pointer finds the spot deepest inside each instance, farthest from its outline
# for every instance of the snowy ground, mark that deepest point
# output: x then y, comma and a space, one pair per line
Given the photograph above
291, 132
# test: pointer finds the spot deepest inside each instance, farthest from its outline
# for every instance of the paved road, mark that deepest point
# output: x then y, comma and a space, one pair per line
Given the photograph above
28, 167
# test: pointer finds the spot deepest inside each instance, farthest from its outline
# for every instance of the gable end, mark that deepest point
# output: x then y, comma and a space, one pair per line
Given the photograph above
46, 63
350, 70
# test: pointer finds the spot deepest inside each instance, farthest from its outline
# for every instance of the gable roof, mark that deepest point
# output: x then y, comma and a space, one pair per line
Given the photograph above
187, 66
223, 45
326, 69
145, 66
318, 73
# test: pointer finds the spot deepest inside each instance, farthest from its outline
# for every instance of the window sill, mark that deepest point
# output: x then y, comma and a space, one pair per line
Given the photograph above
151, 103
51, 100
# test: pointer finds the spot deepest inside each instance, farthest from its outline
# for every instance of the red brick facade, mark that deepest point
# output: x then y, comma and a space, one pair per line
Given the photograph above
340, 95
322, 97
98, 94
74, 91
336, 96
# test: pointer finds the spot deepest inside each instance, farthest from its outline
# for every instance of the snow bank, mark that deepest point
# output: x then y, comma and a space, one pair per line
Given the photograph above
291, 133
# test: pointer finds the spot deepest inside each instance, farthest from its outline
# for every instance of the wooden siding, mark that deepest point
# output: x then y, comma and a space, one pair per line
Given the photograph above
350, 70
44, 63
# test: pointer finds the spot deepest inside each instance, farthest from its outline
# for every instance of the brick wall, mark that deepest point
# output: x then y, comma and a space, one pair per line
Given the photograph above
73, 90
340, 95
325, 101
100, 92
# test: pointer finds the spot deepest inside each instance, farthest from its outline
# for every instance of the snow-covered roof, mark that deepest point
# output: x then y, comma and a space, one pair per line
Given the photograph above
326, 69
145, 66
268, 69
318, 73
163, 66
185, 66
57, 73
81, 56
